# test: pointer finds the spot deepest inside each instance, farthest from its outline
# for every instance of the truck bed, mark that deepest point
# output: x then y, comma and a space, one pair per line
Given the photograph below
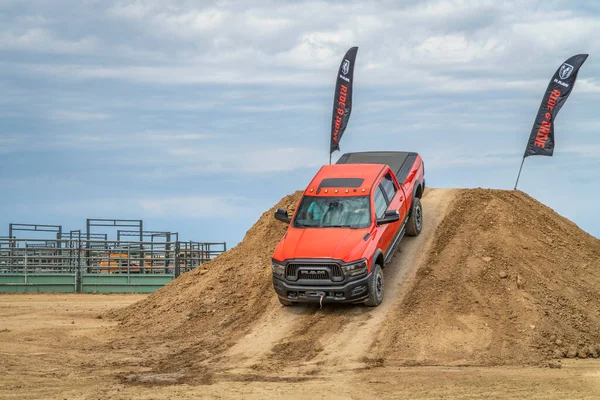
400, 162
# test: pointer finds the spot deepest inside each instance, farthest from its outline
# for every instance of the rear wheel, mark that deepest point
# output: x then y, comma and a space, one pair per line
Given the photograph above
375, 286
415, 222
285, 302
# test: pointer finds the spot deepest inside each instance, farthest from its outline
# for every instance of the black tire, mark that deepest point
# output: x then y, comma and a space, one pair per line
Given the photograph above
375, 286
415, 222
285, 303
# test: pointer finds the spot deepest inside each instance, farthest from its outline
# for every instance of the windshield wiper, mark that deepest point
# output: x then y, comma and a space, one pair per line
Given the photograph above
341, 226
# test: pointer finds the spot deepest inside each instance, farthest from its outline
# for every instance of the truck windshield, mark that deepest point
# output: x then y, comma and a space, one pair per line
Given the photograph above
333, 212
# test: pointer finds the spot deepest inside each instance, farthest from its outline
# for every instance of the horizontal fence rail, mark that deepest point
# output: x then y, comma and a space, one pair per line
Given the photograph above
81, 265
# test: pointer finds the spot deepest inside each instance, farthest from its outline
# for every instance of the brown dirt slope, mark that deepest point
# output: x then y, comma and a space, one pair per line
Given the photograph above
507, 281
495, 278
206, 310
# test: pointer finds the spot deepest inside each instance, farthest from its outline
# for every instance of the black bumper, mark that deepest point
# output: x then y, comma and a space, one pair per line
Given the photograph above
355, 291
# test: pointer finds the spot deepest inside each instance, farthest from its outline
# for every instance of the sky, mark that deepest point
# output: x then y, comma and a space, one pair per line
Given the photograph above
198, 116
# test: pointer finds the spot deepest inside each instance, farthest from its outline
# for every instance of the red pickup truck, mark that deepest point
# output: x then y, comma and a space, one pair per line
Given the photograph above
347, 227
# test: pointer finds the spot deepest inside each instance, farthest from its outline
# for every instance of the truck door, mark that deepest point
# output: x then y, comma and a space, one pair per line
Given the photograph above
395, 195
383, 231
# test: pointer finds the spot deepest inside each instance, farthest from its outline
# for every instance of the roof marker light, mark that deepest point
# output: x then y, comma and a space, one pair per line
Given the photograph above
336, 190
311, 190
347, 190
362, 190
325, 190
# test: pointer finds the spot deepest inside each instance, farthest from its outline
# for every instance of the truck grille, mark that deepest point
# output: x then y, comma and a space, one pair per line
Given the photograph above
313, 274
290, 270
317, 271
336, 271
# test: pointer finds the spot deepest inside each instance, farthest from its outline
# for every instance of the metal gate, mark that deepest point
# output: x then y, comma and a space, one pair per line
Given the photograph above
96, 266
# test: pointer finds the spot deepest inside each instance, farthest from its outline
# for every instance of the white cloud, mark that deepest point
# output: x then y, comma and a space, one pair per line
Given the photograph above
567, 32
149, 141
179, 75
457, 157
42, 41
450, 9
136, 10
240, 160
457, 49
436, 46
583, 150
171, 136
194, 206
152, 206
73, 115
413, 80
588, 85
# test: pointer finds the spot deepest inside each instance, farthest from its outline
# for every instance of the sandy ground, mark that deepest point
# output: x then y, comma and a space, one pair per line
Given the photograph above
55, 347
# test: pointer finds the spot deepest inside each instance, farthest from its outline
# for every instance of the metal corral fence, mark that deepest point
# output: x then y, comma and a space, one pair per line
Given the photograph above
104, 266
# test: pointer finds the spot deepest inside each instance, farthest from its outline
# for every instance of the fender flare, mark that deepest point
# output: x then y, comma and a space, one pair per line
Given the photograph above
417, 186
377, 253
414, 195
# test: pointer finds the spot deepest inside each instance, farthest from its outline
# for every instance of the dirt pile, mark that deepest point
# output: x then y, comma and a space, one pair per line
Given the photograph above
506, 281
494, 278
206, 310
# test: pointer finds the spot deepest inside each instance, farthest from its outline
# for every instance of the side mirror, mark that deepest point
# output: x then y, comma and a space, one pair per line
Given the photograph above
389, 217
282, 215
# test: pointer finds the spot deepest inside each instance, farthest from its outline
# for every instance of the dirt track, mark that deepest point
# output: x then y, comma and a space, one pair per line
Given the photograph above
495, 279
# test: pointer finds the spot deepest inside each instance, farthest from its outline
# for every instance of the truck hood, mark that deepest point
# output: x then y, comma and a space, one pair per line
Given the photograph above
338, 243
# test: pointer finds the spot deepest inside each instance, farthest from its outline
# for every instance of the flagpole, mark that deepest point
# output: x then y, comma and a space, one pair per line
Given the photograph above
518, 176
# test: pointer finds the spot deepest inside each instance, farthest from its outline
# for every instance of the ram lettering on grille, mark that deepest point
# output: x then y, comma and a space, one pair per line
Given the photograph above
312, 274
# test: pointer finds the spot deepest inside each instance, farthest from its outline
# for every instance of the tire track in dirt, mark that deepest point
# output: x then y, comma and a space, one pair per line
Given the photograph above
352, 345
264, 335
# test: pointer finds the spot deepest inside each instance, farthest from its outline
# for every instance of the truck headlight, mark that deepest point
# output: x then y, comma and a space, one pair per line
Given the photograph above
277, 269
356, 269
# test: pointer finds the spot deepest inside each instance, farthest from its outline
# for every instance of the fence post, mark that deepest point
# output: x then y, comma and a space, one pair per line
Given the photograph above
13, 267
78, 276
25, 262
177, 266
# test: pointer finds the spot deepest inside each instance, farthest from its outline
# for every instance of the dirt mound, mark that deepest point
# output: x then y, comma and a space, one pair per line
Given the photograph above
506, 281
494, 278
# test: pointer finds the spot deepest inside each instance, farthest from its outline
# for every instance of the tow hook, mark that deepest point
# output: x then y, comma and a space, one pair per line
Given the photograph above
320, 295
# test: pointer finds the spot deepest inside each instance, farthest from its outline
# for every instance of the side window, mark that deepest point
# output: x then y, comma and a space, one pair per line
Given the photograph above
380, 202
389, 186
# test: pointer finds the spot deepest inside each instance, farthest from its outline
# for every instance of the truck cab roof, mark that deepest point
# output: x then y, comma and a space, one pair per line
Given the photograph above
355, 173
345, 180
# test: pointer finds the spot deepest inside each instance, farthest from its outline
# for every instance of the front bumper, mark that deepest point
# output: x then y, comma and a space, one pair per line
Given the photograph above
355, 291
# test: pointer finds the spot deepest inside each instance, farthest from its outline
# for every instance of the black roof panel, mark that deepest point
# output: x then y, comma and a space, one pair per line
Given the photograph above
341, 182
395, 159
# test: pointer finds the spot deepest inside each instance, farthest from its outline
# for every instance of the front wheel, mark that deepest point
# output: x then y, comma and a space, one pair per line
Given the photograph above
375, 286
415, 222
